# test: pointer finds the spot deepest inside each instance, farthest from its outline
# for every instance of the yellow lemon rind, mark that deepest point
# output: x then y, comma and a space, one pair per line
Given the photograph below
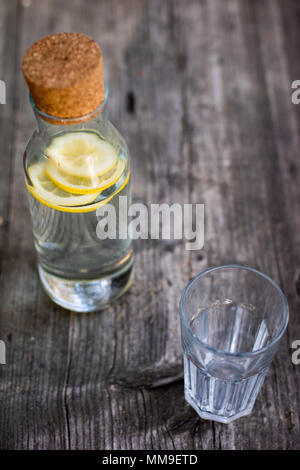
88, 208
53, 153
75, 190
37, 171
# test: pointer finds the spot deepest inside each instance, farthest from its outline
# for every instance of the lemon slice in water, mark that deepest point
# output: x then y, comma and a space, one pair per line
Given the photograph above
45, 191
79, 185
82, 154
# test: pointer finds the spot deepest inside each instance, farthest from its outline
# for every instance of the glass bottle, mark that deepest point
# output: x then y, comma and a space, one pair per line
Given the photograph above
78, 269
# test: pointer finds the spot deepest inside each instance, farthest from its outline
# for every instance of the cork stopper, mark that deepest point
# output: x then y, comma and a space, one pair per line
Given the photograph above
64, 73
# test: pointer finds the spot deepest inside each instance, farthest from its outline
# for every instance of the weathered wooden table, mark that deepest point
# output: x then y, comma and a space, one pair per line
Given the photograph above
202, 92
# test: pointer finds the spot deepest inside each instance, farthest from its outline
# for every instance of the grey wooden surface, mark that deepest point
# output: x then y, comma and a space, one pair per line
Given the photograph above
213, 123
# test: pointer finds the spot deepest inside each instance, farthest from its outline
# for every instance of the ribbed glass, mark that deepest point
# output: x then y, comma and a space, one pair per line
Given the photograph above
232, 319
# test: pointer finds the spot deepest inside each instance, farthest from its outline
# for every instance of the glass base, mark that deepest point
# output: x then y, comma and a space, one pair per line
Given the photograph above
86, 295
215, 417
218, 398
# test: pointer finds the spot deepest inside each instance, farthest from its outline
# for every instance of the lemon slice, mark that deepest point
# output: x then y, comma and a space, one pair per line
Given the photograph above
48, 193
79, 185
95, 205
82, 154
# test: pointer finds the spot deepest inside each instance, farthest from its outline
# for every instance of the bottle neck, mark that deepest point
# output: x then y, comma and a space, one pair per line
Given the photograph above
50, 125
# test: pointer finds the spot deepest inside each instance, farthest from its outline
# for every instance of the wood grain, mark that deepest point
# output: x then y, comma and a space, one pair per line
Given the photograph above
209, 120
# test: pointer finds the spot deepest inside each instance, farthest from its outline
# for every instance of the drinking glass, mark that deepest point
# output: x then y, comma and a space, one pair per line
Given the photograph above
232, 320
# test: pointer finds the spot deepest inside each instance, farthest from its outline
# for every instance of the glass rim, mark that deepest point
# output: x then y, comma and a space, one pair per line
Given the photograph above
220, 351
76, 120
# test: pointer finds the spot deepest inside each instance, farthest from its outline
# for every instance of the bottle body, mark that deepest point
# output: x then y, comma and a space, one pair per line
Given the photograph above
67, 243
79, 269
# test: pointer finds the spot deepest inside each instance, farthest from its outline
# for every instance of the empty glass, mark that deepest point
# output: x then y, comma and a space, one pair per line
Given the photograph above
232, 320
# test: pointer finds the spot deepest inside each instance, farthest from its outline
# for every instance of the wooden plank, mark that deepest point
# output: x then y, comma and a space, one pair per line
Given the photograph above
202, 95
9, 19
